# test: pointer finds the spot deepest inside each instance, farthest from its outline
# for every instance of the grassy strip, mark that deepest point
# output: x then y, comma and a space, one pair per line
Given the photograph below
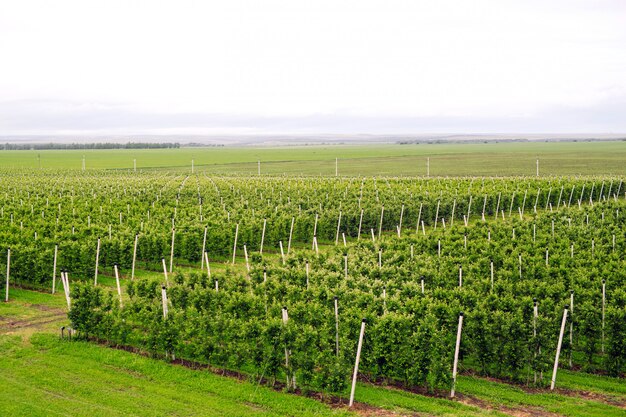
54, 377
504, 394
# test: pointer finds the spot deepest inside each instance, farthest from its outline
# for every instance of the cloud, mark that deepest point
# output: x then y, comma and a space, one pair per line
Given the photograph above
354, 65
64, 117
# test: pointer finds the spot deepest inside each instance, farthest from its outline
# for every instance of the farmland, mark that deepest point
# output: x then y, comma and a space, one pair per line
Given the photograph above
494, 159
460, 284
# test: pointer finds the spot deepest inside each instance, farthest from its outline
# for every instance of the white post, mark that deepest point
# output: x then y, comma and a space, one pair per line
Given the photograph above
484, 207
54, 268
345, 265
491, 274
558, 349
336, 326
456, 354
164, 301
338, 226
235, 244
537, 166
172, 249
497, 206
419, 217
66, 287
380, 227
167, 282
356, 363
8, 273
437, 214
203, 249
358, 236
603, 309
422, 283
460, 276
401, 216
307, 274
571, 326
282, 253
117, 281
293, 219
343, 236
132, 273
245, 254
452, 215
428, 166
95, 280
285, 318
208, 266
469, 209
262, 236
314, 231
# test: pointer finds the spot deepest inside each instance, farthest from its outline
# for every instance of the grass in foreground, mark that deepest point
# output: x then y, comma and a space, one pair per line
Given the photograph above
43, 375
56, 377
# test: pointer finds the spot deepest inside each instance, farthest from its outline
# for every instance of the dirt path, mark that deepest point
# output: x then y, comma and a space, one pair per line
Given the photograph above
41, 318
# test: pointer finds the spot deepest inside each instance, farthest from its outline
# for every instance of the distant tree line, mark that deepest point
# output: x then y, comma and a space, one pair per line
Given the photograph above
129, 145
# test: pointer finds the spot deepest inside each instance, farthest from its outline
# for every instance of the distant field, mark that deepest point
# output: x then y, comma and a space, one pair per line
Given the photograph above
493, 159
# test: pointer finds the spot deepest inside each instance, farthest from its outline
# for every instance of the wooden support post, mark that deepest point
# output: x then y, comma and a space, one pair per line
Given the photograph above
132, 273
262, 237
293, 219
356, 363
358, 236
203, 249
164, 301
282, 252
54, 268
603, 311
245, 253
338, 226
380, 226
117, 281
336, 326
6, 298
167, 282
558, 349
208, 266
456, 355
172, 249
235, 244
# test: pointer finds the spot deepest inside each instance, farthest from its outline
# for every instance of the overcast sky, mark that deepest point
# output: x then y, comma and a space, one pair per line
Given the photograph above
338, 66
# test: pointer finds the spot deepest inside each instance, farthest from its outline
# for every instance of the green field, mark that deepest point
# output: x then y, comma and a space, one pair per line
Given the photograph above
43, 375
489, 159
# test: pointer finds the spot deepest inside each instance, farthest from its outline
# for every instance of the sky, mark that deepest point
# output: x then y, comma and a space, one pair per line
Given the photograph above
309, 67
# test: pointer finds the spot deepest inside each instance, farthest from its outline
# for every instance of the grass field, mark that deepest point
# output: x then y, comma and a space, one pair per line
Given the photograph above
501, 159
44, 375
